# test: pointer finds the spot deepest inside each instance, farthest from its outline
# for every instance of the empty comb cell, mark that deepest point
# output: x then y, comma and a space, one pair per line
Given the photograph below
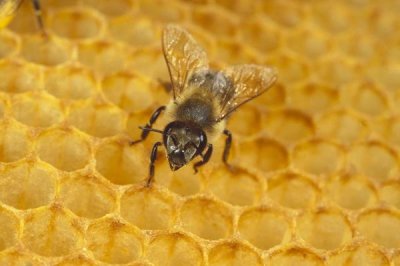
314, 176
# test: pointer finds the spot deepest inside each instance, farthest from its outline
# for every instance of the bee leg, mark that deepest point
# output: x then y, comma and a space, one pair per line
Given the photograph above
153, 158
228, 143
38, 14
206, 157
149, 124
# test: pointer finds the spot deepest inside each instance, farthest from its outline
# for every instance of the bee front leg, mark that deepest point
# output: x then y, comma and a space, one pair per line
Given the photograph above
149, 125
153, 158
206, 157
38, 14
228, 143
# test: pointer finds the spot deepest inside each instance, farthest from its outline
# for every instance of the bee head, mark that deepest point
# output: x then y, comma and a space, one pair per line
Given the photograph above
183, 141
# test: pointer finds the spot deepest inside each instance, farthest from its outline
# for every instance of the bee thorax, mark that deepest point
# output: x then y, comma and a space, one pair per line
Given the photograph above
197, 110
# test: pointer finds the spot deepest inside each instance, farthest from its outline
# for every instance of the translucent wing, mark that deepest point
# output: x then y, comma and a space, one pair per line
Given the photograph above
248, 82
7, 11
183, 56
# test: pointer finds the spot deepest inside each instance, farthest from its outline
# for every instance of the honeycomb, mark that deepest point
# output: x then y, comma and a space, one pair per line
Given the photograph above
317, 179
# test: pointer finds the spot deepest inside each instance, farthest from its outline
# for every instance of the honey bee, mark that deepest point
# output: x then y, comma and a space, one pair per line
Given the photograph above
202, 101
8, 8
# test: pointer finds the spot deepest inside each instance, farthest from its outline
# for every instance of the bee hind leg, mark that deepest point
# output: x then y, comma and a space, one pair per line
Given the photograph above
227, 149
153, 158
206, 157
146, 129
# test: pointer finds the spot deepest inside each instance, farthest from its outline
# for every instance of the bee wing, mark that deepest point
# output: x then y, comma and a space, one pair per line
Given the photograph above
183, 56
248, 82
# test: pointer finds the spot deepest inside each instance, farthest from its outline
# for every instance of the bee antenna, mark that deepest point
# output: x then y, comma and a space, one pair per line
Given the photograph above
151, 129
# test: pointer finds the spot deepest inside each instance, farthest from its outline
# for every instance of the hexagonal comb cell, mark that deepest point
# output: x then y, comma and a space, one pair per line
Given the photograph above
15, 141
174, 249
378, 167
39, 185
222, 24
238, 187
233, 254
103, 56
359, 255
183, 182
313, 98
351, 191
46, 109
160, 10
263, 154
63, 237
289, 126
76, 23
308, 42
295, 69
18, 77
324, 229
140, 57
135, 30
293, 190
96, 198
70, 82
316, 158
65, 149
114, 8
294, 256
368, 99
233, 52
246, 123
343, 126
121, 163
339, 21
378, 226
290, 18
131, 92
45, 50
330, 72
148, 209
113, 241
206, 218
105, 120
274, 225
274, 97
261, 35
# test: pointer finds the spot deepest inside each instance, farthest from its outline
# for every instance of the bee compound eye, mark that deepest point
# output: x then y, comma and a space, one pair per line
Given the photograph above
189, 153
172, 138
